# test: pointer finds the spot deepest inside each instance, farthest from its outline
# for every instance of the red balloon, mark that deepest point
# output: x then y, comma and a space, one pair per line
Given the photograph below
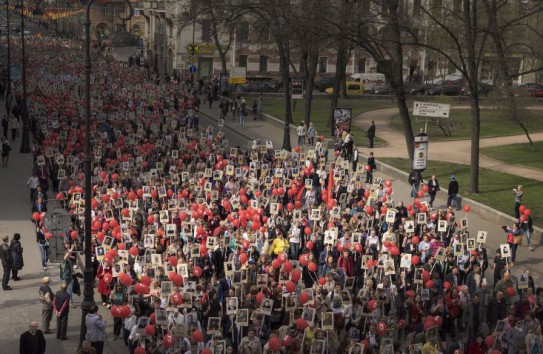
288, 266
73, 235
243, 258
290, 286
197, 336
146, 280
527, 212
388, 183
36, 216
521, 209
139, 350
304, 298
429, 284
425, 276
402, 323
312, 266
150, 330
357, 247
275, 344
322, 280
467, 209
307, 230
381, 328
287, 340
296, 275
260, 297
510, 291
429, 323
107, 278
415, 260
116, 311
309, 245
301, 323
276, 263
134, 251
168, 340
372, 305
415, 240
395, 251
197, 271
304, 259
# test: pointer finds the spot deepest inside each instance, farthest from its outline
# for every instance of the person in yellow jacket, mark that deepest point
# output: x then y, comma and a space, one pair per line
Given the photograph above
279, 245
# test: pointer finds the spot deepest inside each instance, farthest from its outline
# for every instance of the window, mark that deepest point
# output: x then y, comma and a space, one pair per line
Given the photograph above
115, 11
265, 34
323, 62
106, 10
263, 64
206, 30
243, 31
361, 65
242, 61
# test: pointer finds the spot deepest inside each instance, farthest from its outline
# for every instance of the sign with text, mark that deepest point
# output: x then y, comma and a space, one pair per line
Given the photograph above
297, 90
420, 152
431, 109
237, 76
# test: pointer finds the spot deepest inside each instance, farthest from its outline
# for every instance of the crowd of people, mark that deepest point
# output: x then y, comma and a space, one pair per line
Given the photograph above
200, 246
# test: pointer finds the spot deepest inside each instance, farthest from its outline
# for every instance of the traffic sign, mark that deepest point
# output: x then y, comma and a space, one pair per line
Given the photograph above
193, 69
193, 48
431, 109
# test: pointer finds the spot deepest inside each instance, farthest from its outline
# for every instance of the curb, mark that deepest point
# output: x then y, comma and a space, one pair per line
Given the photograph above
481, 210
226, 126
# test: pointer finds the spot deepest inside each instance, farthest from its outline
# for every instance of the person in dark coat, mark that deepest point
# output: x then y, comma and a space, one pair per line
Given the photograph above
17, 256
7, 261
32, 341
60, 305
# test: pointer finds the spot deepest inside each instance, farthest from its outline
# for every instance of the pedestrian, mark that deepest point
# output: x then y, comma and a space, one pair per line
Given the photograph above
518, 193
14, 127
527, 229
414, 179
7, 261
300, 131
5, 126
433, 188
66, 272
255, 110
62, 309
261, 104
117, 298
371, 134
370, 167
43, 245
17, 256
6, 148
33, 183
514, 239
355, 159
311, 132
96, 329
46, 300
452, 193
32, 341
243, 116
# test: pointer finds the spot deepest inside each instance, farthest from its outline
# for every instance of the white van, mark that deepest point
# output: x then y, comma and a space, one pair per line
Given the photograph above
369, 80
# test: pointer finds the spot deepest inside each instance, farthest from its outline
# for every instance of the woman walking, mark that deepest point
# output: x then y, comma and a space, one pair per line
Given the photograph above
117, 298
6, 148
17, 256
96, 329
518, 193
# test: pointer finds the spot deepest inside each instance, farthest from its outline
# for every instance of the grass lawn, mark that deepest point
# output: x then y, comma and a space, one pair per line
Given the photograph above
519, 154
492, 124
320, 110
495, 187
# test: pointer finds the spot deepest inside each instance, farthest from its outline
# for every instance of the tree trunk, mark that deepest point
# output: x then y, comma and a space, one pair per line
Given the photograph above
475, 133
339, 78
313, 58
285, 75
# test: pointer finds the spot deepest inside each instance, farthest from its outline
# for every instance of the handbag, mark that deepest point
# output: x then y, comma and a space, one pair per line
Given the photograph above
517, 240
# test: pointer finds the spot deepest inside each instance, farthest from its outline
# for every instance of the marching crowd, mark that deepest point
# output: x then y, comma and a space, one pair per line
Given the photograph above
200, 246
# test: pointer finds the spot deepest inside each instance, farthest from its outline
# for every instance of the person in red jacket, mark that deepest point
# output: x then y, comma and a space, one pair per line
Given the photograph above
346, 262
478, 346
103, 287
453, 305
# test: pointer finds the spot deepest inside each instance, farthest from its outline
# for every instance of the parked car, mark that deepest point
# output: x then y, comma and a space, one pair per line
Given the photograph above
529, 90
263, 87
353, 88
446, 90
323, 83
484, 90
380, 89
419, 89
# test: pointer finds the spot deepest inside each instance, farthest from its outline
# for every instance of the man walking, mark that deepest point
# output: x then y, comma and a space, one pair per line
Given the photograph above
60, 305
46, 300
7, 262
32, 341
371, 134
452, 193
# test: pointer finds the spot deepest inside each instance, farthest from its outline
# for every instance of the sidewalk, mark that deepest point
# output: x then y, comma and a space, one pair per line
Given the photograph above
454, 151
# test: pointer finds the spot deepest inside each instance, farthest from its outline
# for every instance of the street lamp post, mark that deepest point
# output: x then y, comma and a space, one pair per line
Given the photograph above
8, 93
88, 274
25, 142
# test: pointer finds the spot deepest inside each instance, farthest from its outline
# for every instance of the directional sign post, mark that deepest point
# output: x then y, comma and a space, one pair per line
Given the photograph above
431, 109
193, 69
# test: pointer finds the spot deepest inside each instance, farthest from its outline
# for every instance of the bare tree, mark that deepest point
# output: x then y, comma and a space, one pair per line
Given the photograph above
505, 18
464, 28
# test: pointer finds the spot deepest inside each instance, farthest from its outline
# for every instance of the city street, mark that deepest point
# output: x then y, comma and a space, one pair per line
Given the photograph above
20, 306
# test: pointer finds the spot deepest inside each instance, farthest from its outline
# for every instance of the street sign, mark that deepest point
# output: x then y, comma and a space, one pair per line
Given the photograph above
192, 60
193, 69
297, 91
420, 152
237, 76
430, 109
193, 48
